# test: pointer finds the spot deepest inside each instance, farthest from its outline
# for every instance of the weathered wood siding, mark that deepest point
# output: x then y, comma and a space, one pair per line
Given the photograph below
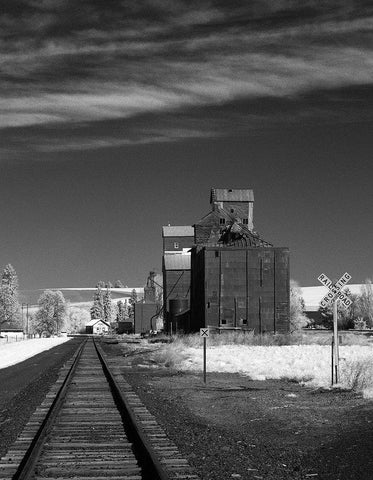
241, 287
182, 242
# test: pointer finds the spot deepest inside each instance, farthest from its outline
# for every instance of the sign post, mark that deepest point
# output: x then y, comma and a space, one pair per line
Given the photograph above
335, 341
204, 333
333, 296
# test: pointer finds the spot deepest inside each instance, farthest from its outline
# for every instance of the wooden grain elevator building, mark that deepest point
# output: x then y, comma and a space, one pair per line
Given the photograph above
237, 279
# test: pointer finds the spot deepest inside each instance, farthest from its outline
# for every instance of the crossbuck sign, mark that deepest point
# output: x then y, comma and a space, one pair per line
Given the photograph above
335, 290
333, 296
204, 333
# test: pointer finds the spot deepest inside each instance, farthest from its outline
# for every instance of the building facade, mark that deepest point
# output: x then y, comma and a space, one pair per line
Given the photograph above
231, 277
240, 288
177, 244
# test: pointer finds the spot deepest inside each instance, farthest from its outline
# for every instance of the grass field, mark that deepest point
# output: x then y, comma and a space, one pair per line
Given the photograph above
300, 358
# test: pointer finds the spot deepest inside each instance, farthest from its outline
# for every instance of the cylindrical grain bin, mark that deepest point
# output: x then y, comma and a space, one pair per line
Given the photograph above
179, 315
178, 306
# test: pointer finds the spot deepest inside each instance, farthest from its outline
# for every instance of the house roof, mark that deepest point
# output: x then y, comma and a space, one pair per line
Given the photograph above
176, 262
93, 322
208, 231
178, 231
231, 195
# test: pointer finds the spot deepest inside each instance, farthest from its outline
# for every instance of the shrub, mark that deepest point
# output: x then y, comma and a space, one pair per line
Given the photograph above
356, 375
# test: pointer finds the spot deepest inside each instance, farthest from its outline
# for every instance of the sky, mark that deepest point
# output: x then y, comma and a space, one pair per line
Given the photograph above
118, 117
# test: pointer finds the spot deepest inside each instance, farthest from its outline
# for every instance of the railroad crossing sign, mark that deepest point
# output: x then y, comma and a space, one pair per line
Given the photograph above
204, 332
335, 290
333, 296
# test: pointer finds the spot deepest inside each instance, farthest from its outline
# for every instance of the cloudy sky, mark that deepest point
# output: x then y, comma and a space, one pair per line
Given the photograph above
117, 117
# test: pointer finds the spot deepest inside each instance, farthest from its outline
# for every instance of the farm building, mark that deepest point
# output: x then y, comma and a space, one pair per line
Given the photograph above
239, 280
147, 315
233, 278
97, 327
240, 287
177, 243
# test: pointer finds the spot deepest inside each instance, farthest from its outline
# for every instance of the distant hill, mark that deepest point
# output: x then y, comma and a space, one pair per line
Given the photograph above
79, 296
313, 295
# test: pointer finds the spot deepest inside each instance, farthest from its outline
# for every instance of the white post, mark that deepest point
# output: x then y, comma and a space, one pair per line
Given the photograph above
336, 346
204, 359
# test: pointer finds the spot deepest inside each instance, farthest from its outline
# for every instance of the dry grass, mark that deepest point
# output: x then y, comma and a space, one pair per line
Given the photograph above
266, 339
357, 376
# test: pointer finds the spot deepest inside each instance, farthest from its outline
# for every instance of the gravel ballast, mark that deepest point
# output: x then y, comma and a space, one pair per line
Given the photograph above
232, 427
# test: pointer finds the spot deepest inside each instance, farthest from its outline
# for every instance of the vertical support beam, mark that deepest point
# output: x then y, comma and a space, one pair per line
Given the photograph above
274, 291
235, 311
335, 340
204, 359
247, 287
260, 315
261, 272
219, 309
332, 361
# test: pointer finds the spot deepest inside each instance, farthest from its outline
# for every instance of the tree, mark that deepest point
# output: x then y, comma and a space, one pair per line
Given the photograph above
118, 284
76, 320
122, 311
366, 303
298, 319
10, 278
107, 307
346, 316
32, 324
97, 309
133, 298
49, 319
9, 302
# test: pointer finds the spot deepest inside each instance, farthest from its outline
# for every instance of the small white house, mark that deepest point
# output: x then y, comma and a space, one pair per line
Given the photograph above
97, 327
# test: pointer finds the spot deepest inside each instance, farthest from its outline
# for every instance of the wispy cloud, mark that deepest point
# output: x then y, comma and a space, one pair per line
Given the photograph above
121, 60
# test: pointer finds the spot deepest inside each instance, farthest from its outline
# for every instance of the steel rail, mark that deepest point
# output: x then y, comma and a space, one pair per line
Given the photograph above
147, 450
25, 468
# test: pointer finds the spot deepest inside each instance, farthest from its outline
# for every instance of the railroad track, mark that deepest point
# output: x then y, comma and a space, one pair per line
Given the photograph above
92, 425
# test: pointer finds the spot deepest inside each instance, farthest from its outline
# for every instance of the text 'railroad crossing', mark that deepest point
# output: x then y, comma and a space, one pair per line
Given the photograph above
335, 290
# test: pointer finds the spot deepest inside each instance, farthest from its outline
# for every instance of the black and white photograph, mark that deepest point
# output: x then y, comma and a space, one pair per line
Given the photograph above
186, 234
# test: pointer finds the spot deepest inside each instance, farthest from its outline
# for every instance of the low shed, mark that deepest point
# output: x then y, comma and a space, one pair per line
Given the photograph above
97, 327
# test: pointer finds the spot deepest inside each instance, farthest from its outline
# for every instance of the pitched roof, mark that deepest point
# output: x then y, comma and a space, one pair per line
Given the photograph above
208, 231
231, 195
238, 235
178, 231
176, 261
93, 322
